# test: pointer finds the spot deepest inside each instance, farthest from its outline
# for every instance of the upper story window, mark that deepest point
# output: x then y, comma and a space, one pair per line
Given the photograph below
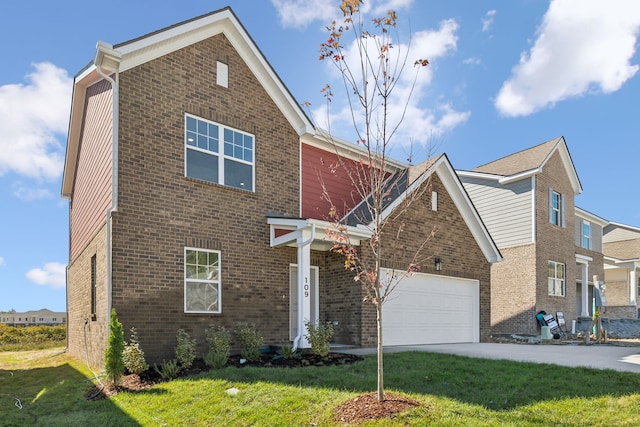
556, 208
556, 279
201, 281
219, 154
586, 235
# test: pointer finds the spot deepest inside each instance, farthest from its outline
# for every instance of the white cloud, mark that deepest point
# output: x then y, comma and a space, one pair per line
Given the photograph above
420, 124
579, 50
52, 274
301, 13
472, 61
1, 260
32, 115
487, 21
28, 194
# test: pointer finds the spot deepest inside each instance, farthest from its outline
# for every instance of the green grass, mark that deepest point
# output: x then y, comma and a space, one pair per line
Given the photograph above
453, 391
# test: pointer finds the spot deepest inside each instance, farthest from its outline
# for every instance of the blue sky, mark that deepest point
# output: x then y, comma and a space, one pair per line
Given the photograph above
504, 76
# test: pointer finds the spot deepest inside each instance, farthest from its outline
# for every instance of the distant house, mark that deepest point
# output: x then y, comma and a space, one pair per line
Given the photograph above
195, 199
42, 317
552, 249
622, 270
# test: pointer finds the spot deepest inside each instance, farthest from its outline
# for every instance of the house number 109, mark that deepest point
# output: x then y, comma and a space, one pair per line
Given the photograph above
306, 287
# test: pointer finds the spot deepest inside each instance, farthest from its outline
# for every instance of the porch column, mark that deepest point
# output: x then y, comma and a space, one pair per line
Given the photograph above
304, 284
633, 284
585, 289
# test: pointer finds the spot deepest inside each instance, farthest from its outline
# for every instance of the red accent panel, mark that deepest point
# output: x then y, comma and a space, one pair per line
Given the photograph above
320, 167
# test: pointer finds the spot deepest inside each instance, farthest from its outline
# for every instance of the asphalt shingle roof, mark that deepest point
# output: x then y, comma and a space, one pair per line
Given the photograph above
521, 161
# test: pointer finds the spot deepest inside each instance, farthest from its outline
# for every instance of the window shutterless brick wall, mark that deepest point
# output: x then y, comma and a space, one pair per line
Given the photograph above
86, 335
160, 211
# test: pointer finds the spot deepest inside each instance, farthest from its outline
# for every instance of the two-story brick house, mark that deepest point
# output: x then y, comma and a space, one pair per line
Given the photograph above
526, 200
192, 177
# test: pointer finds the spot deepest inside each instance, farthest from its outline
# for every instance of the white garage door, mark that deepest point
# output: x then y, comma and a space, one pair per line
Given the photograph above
431, 309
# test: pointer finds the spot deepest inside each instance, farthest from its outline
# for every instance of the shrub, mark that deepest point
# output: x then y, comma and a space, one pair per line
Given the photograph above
186, 349
113, 362
31, 337
288, 352
219, 341
168, 370
133, 356
319, 336
250, 341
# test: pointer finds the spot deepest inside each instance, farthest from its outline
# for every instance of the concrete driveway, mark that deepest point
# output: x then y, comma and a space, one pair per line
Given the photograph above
599, 356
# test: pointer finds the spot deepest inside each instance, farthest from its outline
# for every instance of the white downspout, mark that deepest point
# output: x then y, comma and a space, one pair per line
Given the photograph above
114, 180
301, 275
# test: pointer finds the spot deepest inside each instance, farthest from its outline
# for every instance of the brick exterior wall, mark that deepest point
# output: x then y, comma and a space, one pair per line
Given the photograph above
160, 211
624, 249
89, 338
452, 242
513, 290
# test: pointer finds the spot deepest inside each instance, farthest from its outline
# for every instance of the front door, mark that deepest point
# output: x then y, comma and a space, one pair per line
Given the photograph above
293, 298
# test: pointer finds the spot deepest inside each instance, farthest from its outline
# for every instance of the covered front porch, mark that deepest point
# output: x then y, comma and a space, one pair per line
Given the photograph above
307, 235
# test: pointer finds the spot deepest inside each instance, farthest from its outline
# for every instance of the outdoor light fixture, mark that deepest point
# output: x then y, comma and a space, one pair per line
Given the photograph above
438, 263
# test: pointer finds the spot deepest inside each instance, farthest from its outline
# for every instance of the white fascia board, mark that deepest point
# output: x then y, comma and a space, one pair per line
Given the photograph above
175, 38
519, 176
625, 226
583, 259
591, 217
463, 203
479, 175
355, 234
563, 150
80, 85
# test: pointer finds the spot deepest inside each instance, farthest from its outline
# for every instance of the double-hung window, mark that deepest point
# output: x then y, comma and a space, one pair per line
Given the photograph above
219, 154
556, 279
201, 281
586, 234
556, 208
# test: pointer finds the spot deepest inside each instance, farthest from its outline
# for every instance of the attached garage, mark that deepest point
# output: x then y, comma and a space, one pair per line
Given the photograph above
432, 309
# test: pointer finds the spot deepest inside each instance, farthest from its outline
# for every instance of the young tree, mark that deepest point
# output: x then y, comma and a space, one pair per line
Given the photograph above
369, 82
113, 360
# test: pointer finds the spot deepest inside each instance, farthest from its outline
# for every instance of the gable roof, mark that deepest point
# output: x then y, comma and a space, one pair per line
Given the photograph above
404, 182
529, 162
113, 59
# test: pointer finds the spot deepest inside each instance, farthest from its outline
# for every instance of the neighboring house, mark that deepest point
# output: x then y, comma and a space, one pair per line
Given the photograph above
42, 317
195, 199
552, 249
622, 270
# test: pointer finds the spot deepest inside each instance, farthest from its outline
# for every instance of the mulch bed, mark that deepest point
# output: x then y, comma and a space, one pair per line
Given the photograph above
134, 382
355, 411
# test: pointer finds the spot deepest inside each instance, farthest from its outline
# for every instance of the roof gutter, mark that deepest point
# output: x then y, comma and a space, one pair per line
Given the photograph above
107, 60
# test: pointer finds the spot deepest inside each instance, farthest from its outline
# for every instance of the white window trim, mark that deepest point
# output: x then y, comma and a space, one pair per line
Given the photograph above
562, 282
583, 235
219, 281
220, 154
560, 210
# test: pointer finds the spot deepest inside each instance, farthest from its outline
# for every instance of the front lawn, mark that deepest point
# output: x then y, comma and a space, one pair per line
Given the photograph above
453, 391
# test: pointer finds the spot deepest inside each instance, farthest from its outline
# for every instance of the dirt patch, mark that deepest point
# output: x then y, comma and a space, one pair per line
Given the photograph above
367, 407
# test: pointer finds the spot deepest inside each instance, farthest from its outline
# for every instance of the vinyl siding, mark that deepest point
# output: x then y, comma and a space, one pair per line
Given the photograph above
617, 234
92, 184
505, 209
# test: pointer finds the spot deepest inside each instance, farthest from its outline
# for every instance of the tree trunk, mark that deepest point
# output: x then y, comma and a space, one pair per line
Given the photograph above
380, 353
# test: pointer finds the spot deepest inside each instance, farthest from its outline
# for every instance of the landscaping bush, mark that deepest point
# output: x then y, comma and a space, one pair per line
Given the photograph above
133, 356
219, 341
250, 341
186, 349
168, 370
113, 362
319, 336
